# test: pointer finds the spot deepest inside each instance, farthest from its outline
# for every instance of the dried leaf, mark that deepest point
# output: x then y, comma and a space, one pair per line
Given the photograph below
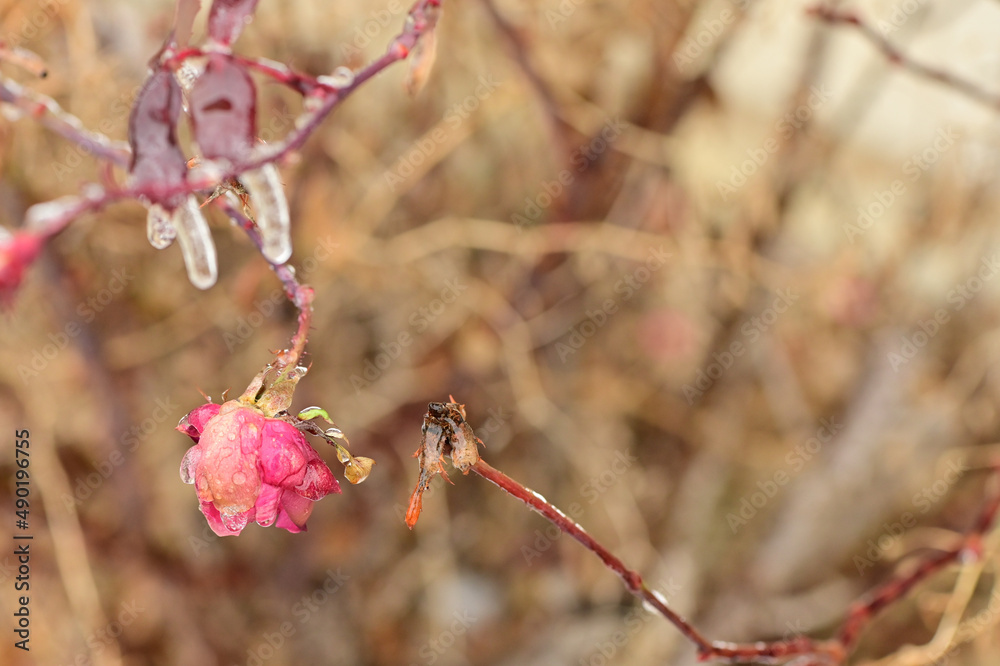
227, 18
423, 18
223, 106
421, 62
445, 432
358, 468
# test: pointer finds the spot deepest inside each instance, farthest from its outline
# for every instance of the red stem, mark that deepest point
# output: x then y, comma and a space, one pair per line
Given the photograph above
830, 651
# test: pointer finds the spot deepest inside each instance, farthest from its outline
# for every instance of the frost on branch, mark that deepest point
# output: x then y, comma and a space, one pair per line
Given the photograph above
159, 168
223, 106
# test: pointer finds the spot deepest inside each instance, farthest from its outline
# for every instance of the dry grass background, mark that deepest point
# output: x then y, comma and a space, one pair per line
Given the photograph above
604, 426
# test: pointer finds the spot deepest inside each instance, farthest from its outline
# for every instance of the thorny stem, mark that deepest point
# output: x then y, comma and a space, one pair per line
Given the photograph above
894, 55
834, 651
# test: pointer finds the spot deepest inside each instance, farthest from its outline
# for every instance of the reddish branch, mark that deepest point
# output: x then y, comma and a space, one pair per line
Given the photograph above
445, 432
858, 616
836, 16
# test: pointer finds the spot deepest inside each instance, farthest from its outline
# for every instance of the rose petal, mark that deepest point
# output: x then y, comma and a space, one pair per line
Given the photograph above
318, 481
283, 454
268, 504
228, 469
193, 423
294, 512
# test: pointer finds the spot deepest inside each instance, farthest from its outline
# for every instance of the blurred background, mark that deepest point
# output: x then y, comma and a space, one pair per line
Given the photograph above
716, 278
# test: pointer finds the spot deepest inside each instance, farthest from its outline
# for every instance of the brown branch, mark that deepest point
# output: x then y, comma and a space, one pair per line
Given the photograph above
836, 16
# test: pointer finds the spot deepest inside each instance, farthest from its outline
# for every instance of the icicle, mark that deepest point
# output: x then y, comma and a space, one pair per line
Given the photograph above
159, 229
196, 244
270, 212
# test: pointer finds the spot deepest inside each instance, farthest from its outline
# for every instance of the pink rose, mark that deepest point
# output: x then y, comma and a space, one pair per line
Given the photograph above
248, 467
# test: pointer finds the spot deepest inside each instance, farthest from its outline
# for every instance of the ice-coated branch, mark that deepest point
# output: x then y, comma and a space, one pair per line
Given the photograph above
158, 174
52, 116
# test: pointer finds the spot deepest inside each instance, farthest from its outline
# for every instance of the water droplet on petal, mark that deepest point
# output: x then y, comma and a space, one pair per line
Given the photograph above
196, 244
233, 518
271, 212
239, 478
188, 465
159, 230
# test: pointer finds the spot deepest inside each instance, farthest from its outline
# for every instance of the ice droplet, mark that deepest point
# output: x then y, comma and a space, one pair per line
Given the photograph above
271, 209
159, 230
341, 77
233, 518
196, 244
187, 466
